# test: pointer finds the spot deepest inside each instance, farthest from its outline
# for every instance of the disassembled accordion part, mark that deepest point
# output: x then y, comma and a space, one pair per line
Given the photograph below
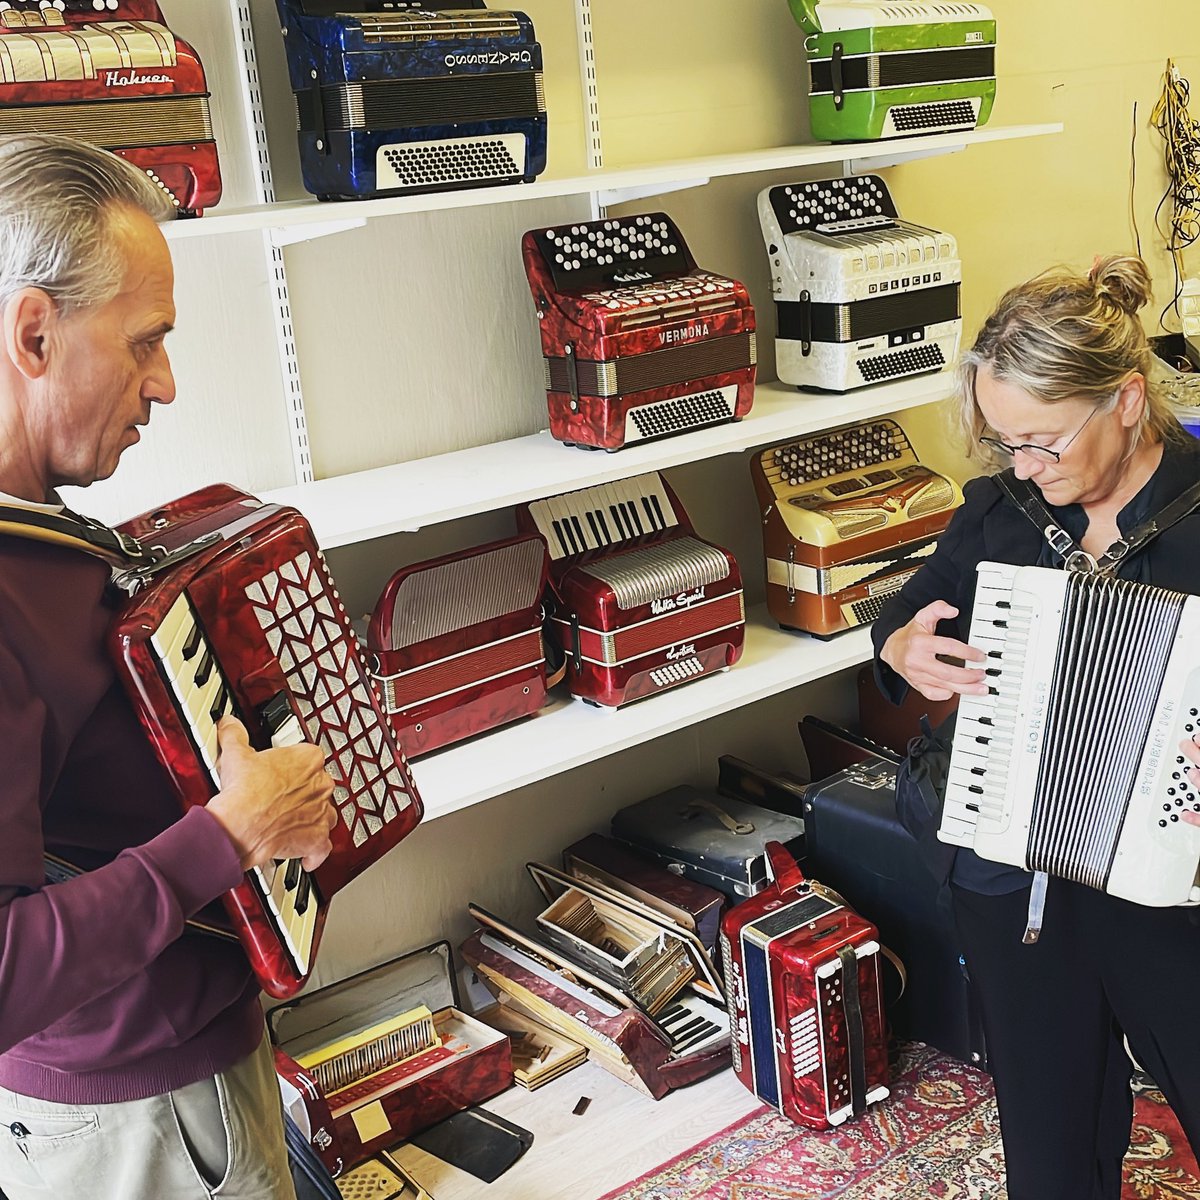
861, 295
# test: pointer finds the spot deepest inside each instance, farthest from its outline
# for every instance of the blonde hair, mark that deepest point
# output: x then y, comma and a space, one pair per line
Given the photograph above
57, 201
1064, 336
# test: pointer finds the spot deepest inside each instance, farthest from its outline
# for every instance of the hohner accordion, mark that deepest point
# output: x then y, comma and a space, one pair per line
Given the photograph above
881, 69
847, 518
802, 972
456, 642
638, 341
1070, 764
413, 95
862, 297
110, 72
642, 603
243, 620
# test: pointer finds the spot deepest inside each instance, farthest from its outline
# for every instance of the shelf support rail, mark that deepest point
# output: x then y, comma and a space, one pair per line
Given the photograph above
256, 131
593, 143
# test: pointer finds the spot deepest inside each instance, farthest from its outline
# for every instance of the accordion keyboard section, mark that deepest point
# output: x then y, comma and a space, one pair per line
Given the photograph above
862, 296
1080, 666
638, 342
847, 517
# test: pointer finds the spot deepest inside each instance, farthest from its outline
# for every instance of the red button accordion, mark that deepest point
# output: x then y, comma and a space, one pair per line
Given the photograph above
805, 1000
456, 642
241, 618
643, 604
110, 72
638, 341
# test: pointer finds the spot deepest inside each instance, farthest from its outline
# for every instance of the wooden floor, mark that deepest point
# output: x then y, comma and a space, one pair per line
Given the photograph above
622, 1135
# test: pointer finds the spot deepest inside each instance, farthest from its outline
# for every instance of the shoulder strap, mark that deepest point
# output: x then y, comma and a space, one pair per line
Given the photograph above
1027, 498
70, 529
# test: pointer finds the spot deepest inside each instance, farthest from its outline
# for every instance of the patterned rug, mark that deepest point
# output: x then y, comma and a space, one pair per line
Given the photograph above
936, 1138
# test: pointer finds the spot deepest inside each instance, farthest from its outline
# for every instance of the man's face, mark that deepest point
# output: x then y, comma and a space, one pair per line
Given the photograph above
108, 363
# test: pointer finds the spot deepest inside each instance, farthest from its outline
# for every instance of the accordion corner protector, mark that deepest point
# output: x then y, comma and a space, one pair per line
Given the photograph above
414, 100
119, 79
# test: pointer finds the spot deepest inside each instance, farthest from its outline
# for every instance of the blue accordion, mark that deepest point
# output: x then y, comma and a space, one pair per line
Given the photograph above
408, 96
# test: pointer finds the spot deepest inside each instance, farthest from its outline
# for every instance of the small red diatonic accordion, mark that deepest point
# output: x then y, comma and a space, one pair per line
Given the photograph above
241, 618
110, 72
643, 603
802, 974
456, 642
638, 341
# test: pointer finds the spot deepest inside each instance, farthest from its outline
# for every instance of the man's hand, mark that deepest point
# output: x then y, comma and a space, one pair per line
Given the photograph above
273, 804
916, 653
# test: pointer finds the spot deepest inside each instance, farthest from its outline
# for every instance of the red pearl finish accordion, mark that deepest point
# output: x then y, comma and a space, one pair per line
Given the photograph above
241, 618
456, 642
802, 974
643, 604
638, 341
114, 75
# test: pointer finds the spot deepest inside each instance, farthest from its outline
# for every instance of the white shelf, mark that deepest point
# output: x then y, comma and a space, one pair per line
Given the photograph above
294, 214
409, 496
568, 733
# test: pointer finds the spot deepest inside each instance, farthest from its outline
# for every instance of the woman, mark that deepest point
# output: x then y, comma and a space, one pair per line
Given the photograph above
1057, 387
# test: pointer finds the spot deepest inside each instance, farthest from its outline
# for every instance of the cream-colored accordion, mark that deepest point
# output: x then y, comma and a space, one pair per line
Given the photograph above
1071, 764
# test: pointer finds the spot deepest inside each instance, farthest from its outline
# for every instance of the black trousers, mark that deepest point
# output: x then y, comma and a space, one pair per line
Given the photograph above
1054, 1013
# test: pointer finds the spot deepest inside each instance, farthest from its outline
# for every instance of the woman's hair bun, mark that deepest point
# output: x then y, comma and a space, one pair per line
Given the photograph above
1123, 280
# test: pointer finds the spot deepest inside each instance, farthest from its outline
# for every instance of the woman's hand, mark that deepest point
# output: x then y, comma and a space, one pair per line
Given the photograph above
931, 664
1191, 751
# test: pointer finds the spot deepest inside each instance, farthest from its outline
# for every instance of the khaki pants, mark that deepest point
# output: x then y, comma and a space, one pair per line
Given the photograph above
219, 1139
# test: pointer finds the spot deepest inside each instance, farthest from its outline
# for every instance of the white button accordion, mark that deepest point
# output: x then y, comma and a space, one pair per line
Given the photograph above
1070, 764
862, 297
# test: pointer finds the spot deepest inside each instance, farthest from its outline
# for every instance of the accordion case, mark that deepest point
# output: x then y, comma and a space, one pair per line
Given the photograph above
246, 622
879, 69
456, 642
383, 1055
396, 96
861, 296
112, 74
847, 518
686, 1039
805, 999
641, 603
638, 341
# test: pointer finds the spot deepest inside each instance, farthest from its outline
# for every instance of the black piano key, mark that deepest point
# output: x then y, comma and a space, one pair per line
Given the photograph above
662, 518
292, 877
558, 533
303, 894
704, 1030
595, 528
683, 1030
608, 538
636, 519
204, 670
650, 514
619, 521
221, 705
192, 644
580, 536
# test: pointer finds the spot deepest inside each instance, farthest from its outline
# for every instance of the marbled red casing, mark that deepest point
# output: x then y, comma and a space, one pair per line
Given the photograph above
258, 540
189, 170
475, 677
807, 1035
602, 334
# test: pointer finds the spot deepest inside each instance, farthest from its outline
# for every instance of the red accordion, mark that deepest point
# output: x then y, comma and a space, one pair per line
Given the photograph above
112, 74
802, 973
638, 341
643, 604
242, 619
456, 642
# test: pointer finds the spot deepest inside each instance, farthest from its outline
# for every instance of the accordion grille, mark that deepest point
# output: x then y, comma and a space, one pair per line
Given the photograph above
468, 591
664, 569
936, 496
116, 124
437, 27
857, 521
1115, 639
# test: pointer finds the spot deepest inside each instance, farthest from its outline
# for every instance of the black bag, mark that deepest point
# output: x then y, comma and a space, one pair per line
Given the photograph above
921, 791
309, 1175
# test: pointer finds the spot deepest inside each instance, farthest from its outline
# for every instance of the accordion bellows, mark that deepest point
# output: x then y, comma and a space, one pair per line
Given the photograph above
861, 296
879, 69
119, 78
456, 642
414, 99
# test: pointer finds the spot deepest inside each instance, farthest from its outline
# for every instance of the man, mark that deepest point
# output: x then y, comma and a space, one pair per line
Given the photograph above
133, 1063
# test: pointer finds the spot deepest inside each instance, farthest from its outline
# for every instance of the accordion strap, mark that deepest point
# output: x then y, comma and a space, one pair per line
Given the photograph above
68, 528
1027, 498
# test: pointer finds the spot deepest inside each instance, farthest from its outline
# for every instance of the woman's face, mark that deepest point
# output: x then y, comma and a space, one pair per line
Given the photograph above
1094, 445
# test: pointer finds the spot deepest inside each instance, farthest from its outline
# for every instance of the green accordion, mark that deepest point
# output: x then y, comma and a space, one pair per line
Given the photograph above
880, 69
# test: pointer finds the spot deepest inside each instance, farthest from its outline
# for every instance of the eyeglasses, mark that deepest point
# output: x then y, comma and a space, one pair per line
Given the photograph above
1041, 453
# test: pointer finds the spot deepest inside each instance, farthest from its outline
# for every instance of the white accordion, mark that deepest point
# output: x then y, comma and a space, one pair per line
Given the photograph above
861, 296
1071, 763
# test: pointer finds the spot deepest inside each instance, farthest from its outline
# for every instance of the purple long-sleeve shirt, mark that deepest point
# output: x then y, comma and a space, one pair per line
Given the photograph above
103, 995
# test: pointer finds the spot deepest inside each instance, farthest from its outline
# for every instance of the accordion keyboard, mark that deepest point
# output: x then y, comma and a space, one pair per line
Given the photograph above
600, 517
691, 1023
204, 697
